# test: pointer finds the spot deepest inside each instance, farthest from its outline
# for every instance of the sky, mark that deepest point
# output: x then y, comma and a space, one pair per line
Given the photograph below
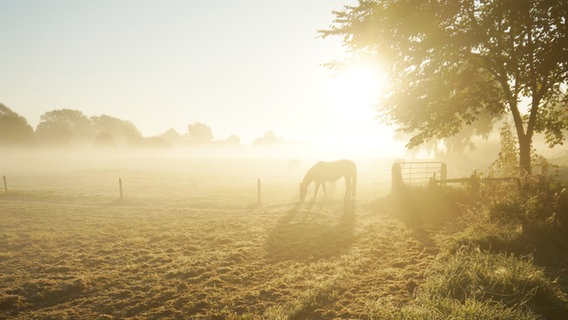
241, 67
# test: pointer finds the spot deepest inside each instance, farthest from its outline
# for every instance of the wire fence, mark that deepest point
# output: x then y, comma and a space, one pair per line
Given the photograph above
146, 185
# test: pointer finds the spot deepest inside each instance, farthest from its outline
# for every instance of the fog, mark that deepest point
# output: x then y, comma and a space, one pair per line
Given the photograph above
91, 171
154, 172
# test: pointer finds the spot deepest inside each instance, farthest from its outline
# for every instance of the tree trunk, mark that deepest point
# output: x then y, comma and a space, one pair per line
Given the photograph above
525, 139
525, 155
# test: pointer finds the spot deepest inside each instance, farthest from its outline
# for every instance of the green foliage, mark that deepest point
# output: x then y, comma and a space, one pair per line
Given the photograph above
535, 225
507, 161
543, 201
554, 120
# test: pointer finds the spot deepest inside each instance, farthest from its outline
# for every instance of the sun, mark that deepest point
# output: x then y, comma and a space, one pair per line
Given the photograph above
358, 85
354, 93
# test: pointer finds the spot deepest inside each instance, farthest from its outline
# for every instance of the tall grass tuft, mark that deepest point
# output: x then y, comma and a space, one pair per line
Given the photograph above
471, 274
425, 308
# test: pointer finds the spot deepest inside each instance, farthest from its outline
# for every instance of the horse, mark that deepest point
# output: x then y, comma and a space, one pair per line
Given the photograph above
323, 172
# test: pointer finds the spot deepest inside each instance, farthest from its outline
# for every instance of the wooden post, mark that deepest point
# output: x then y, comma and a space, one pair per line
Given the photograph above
474, 182
5, 184
258, 191
120, 187
396, 172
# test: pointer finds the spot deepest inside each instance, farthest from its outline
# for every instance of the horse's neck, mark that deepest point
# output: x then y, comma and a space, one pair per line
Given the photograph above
307, 181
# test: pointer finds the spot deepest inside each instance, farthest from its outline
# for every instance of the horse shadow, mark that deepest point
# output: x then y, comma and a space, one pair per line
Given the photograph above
310, 236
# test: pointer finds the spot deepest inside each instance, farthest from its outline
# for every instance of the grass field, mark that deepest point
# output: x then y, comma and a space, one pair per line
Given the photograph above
121, 261
194, 243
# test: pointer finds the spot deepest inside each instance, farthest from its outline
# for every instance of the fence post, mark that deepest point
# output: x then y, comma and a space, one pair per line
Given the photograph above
5, 184
120, 187
396, 173
474, 182
258, 191
443, 171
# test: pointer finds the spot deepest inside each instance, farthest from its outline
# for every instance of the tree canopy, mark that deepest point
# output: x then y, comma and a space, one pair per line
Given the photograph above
14, 129
451, 61
199, 133
64, 127
116, 130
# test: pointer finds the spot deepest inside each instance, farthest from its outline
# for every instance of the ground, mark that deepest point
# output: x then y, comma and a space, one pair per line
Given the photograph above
131, 259
190, 240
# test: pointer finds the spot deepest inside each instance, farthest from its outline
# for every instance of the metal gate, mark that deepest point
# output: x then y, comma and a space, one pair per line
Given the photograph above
418, 173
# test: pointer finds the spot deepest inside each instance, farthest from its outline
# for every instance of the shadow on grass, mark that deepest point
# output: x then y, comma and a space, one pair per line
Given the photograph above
301, 237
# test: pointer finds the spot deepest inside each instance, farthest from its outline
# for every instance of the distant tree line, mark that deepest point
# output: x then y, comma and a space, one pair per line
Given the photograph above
68, 127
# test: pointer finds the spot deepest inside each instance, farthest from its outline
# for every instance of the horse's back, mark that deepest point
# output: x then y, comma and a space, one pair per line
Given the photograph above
331, 171
344, 165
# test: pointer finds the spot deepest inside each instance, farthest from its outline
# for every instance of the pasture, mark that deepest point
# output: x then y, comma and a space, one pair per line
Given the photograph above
191, 242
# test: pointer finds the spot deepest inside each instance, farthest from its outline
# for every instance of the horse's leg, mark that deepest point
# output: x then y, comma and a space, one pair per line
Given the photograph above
316, 192
324, 190
347, 197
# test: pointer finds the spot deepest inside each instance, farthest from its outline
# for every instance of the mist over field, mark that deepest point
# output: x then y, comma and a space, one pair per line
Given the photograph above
154, 173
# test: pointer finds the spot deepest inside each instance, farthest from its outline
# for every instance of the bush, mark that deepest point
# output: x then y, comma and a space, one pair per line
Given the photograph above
537, 200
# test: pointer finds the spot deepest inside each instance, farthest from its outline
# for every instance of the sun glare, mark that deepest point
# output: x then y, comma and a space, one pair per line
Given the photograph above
354, 94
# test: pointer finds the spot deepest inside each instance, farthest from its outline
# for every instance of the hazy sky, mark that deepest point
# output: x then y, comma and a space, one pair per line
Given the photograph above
242, 67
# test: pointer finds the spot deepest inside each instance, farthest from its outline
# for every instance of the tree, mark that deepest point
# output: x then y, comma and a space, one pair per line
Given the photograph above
104, 139
64, 127
269, 138
232, 140
14, 129
199, 133
507, 160
114, 130
172, 137
451, 61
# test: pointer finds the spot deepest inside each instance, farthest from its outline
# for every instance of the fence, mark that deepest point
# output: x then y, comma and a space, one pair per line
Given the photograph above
132, 188
418, 173
422, 173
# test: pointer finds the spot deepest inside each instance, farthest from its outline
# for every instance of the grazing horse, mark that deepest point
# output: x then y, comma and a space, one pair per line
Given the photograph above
323, 172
